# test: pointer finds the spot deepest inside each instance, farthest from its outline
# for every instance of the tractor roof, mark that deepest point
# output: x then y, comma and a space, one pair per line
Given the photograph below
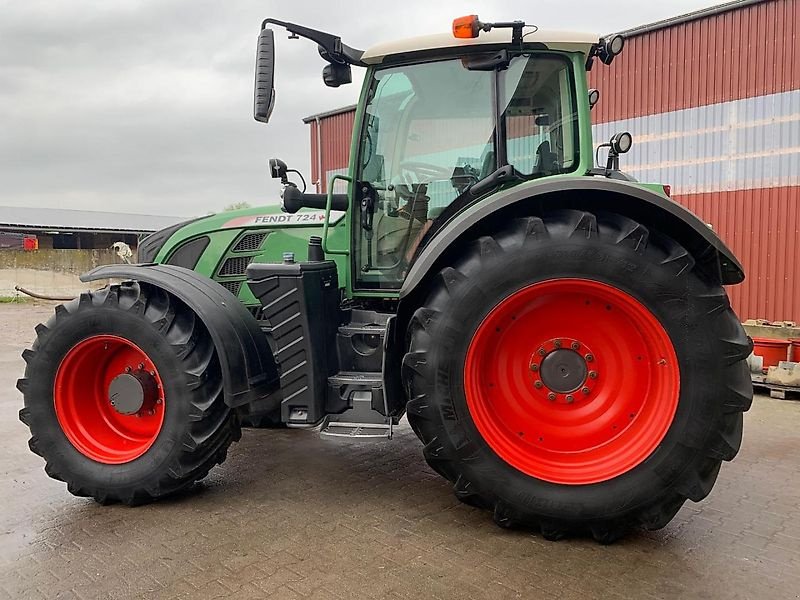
568, 41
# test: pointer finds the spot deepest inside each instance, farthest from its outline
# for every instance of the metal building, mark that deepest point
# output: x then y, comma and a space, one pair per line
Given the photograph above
712, 99
331, 132
67, 229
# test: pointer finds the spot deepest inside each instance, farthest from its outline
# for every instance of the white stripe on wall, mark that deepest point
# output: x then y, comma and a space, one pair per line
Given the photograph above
743, 144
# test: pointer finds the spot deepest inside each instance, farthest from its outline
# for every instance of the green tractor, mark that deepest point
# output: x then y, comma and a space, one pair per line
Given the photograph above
557, 334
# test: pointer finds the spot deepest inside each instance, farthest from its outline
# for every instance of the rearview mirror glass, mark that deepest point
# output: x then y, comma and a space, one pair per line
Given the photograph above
265, 69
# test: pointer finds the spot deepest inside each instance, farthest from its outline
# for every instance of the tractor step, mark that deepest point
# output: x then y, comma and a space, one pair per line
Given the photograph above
363, 394
341, 429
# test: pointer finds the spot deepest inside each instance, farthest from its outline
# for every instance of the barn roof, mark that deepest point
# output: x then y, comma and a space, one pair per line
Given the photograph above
62, 219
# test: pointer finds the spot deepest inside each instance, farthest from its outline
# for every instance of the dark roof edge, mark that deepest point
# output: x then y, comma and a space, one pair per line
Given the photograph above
692, 16
330, 113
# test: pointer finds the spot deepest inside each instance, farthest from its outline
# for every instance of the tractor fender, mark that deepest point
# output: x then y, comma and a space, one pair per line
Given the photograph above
249, 370
587, 193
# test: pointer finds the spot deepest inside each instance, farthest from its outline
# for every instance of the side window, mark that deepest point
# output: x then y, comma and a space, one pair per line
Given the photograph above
540, 115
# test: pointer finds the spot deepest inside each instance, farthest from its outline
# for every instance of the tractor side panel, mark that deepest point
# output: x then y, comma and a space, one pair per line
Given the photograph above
229, 242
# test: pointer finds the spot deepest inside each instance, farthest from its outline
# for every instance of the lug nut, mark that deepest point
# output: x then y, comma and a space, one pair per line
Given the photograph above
570, 398
141, 366
534, 367
151, 412
128, 369
575, 345
557, 343
153, 373
538, 385
589, 358
159, 401
541, 352
585, 391
593, 374
551, 396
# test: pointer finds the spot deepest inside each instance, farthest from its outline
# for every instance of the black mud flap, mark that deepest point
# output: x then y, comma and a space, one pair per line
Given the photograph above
248, 367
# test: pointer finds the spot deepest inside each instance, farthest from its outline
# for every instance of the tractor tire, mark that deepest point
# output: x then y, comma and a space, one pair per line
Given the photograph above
124, 397
578, 374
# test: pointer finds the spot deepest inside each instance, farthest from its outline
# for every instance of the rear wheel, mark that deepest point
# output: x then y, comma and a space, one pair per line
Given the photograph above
577, 373
123, 395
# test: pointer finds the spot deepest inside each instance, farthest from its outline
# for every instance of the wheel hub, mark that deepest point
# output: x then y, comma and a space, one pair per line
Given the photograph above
563, 371
133, 392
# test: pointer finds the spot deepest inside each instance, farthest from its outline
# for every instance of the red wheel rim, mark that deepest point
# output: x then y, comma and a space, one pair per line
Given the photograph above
87, 414
520, 373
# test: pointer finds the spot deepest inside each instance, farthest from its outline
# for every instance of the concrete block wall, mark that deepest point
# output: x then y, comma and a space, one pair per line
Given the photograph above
51, 272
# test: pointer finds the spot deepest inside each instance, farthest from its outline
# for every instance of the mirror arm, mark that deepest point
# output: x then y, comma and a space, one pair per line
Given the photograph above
335, 50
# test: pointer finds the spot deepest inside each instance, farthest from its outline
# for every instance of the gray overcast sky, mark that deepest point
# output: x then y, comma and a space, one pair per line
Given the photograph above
146, 106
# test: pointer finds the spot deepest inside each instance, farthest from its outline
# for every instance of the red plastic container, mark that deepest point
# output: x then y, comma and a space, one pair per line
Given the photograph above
771, 350
794, 350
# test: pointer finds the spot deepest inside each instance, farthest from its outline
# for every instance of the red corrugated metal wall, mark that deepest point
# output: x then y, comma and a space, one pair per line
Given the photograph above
746, 52
336, 132
742, 53
762, 227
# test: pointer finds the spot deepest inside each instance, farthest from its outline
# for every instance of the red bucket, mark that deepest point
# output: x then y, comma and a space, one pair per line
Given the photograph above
772, 351
794, 350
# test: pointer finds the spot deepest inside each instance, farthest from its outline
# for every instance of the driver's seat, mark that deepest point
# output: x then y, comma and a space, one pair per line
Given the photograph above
546, 161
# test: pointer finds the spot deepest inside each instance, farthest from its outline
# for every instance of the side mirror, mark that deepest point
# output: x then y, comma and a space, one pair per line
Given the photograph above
335, 74
265, 70
278, 169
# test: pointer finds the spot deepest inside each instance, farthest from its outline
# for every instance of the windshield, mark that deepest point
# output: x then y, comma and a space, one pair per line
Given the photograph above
431, 130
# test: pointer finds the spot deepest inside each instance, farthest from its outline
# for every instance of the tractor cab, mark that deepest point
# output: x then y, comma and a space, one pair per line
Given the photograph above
433, 131
443, 121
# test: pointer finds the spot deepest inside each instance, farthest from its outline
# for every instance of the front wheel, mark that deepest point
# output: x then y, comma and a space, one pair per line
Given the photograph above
577, 372
123, 395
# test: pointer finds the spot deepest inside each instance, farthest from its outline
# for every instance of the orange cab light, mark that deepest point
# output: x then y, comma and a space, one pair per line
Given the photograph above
466, 27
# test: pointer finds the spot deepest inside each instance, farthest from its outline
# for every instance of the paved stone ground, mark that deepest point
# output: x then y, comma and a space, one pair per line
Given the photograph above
292, 516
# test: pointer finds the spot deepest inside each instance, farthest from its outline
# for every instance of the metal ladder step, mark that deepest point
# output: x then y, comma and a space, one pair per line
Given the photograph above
361, 420
343, 429
363, 378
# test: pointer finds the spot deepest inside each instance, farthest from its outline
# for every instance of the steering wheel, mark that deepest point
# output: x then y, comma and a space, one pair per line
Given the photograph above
425, 172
